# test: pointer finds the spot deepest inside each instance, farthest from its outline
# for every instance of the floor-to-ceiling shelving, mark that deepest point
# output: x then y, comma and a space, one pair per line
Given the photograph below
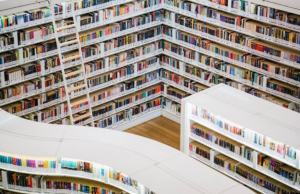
104, 64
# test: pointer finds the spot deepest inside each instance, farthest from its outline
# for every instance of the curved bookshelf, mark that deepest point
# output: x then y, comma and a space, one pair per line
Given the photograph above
234, 143
108, 145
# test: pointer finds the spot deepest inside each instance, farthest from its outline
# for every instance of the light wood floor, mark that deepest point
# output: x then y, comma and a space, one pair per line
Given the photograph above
160, 129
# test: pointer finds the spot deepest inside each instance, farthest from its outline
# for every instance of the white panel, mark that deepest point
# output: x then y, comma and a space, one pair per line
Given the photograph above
201, 176
35, 129
277, 113
125, 141
26, 145
159, 181
241, 99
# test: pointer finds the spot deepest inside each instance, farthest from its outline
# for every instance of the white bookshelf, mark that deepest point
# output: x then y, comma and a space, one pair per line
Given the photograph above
144, 163
253, 116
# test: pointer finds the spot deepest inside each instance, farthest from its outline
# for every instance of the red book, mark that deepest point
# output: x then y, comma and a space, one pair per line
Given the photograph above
30, 182
191, 147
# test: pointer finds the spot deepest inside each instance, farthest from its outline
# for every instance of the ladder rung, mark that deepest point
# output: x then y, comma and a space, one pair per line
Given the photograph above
74, 73
79, 102
76, 88
65, 27
71, 58
82, 116
69, 42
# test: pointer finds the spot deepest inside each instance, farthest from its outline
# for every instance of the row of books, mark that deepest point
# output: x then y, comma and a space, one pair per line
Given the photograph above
230, 165
71, 58
77, 166
123, 102
270, 32
122, 88
133, 38
272, 146
122, 73
73, 73
11, 57
50, 63
35, 101
108, 30
21, 73
121, 177
76, 89
260, 180
283, 88
116, 60
171, 106
183, 81
34, 34
176, 93
279, 168
271, 98
219, 141
129, 7
83, 117
106, 15
269, 14
253, 44
241, 23
252, 76
37, 183
78, 185
81, 104
15, 162
78, 104
31, 87
248, 9
200, 151
115, 44
129, 114
24, 180
202, 75
7, 41
33, 52
23, 18
43, 165
117, 74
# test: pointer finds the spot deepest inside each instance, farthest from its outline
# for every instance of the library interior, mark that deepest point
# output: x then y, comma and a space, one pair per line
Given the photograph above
150, 96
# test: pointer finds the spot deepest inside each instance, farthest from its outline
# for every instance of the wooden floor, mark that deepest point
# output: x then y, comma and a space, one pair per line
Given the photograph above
160, 129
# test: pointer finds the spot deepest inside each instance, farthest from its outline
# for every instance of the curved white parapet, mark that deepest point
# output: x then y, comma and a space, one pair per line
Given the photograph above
157, 166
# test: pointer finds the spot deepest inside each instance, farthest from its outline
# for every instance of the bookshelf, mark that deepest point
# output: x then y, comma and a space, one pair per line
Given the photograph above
53, 66
53, 162
237, 133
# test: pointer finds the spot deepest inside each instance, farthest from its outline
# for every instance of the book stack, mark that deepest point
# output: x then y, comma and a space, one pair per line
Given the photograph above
200, 151
116, 176
24, 182
7, 41
67, 184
